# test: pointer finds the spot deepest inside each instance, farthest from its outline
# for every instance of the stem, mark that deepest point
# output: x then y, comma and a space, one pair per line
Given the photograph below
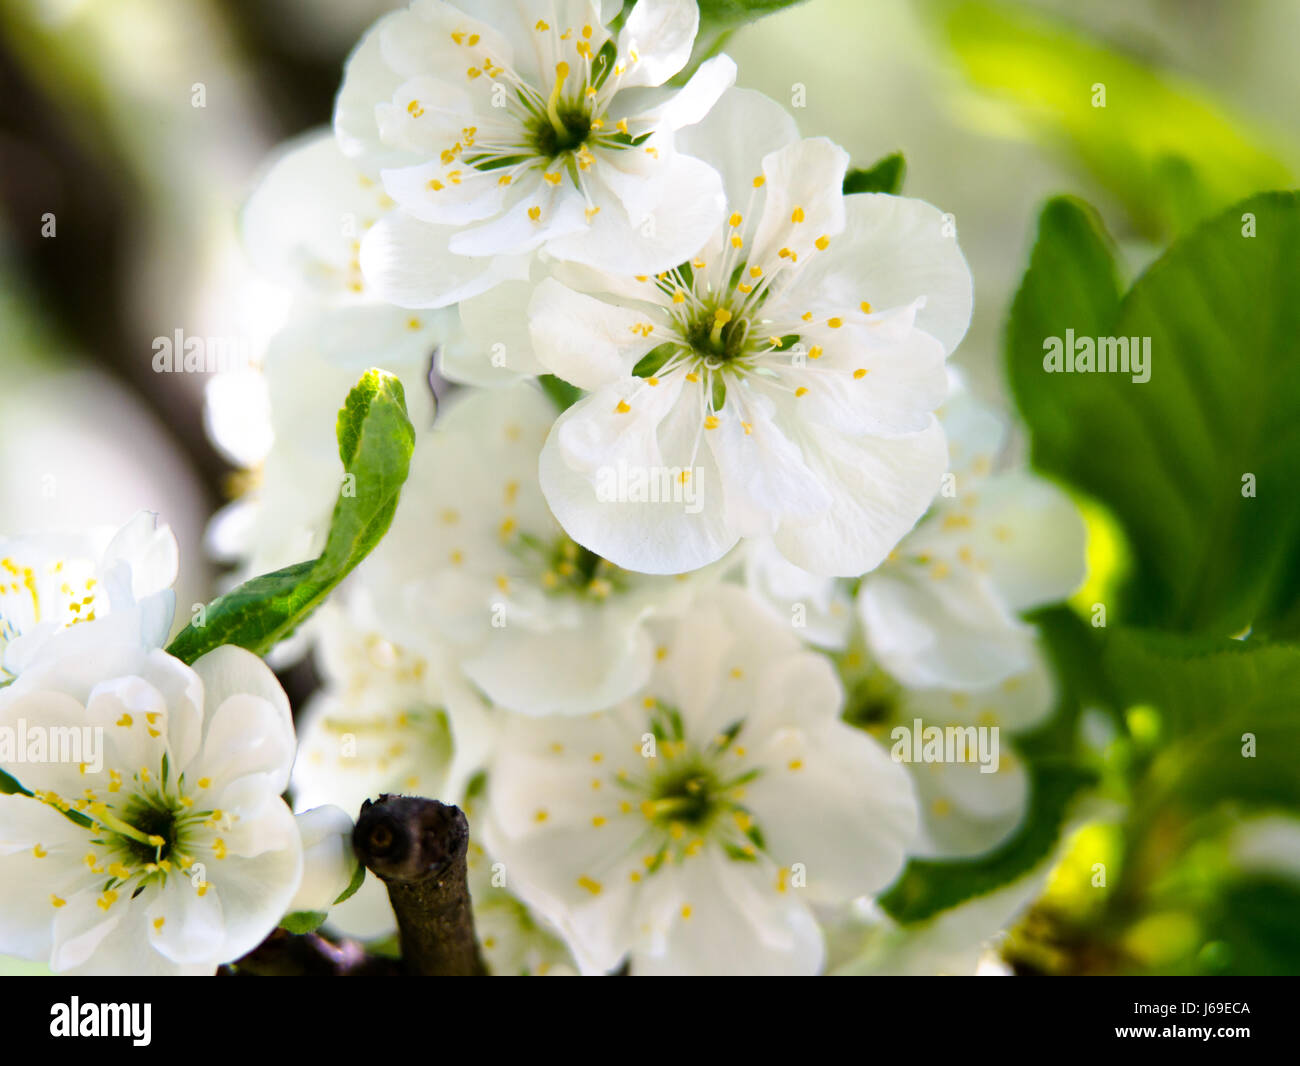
284, 954
418, 848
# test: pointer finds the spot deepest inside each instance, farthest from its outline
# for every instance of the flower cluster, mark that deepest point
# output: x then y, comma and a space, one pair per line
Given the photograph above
142, 829
703, 517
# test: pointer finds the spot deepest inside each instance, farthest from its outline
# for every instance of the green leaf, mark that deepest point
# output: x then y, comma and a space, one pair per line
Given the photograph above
1256, 921
375, 443
886, 175
1208, 695
300, 922
738, 11
1161, 145
718, 20
9, 785
1170, 457
929, 886
1055, 780
560, 391
358, 879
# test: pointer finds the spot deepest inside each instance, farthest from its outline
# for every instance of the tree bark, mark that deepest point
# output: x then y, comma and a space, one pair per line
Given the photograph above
418, 848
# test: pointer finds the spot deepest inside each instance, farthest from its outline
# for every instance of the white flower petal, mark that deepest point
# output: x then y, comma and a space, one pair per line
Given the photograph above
656, 40
368, 79
1032, 537
832, 800
893, 250
743, 128
496, 348
805, 201
880, 487
673, 215
595, 450
765, 480
410, 263
586, 341
949, 630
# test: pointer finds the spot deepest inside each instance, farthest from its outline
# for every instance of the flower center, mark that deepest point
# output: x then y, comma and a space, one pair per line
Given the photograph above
564, 567
532, 129
567, 131
874, 697
695, 792
687, 794
154, 821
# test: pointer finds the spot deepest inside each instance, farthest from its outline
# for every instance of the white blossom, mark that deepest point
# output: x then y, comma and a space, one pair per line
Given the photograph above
696, 826
52, 581
177, 854
502, 129
790, 369
475, 562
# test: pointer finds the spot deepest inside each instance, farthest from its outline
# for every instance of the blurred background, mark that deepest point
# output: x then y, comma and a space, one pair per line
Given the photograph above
131, 131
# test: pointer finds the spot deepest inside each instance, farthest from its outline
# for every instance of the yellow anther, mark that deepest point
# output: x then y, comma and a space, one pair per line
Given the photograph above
860, 373
720, 318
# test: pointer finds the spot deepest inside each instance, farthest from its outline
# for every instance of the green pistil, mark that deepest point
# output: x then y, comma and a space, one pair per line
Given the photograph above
689, 795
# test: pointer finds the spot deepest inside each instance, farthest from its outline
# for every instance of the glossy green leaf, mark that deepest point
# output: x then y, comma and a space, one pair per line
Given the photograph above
375, 443
886, 175
1197, 463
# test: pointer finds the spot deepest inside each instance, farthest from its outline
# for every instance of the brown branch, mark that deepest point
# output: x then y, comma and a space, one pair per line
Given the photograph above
418, 848
284, 954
